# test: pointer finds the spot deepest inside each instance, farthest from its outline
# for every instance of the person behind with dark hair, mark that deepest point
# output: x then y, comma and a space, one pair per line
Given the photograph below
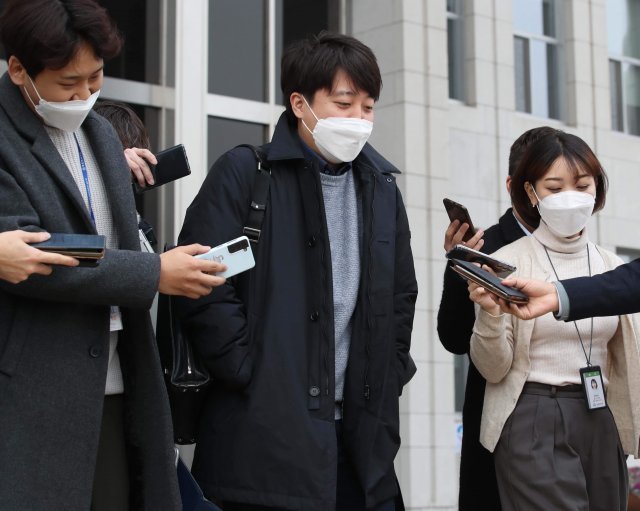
478, 487
536, 418
84, 416
310, 349
134, 138
135, 141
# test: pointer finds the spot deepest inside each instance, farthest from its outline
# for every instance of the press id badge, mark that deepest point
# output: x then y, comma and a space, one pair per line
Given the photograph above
115, 319
593, 387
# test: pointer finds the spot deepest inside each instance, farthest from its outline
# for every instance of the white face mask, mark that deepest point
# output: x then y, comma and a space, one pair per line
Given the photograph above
64, 115
340, 139
566, 213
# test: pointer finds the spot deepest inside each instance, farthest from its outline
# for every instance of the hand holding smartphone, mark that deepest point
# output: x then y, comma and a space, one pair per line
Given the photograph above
457, 211
236, 254
464, 253
491, 283
172, 164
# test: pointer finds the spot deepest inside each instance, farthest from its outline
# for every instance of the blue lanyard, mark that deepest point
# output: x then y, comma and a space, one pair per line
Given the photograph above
85, 177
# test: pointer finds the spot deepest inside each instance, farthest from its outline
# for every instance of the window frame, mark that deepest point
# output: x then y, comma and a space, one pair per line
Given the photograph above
456, 91
560, 83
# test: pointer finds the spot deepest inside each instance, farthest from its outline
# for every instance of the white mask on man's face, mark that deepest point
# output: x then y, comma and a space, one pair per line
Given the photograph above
340, 139
64, 115
566, 213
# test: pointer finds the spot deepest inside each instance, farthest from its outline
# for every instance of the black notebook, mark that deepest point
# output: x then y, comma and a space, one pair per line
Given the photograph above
88, 248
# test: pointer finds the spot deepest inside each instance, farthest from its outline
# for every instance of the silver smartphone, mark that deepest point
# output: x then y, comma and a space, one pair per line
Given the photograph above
236, 254
464, 253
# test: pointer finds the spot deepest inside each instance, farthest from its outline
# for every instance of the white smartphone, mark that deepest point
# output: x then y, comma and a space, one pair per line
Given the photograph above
236, 254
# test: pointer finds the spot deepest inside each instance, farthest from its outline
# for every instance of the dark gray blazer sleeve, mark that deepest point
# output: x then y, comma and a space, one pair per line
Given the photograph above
35, 201
612, 293
125, 277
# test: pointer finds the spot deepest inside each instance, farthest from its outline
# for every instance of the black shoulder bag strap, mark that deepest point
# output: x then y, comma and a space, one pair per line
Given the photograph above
259, 197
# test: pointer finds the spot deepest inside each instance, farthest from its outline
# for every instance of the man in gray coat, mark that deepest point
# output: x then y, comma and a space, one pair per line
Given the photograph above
84, 418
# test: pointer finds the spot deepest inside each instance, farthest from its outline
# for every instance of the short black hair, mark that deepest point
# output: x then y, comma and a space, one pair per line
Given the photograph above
47, 33
538, 159
521, 144
311, 64
125, 121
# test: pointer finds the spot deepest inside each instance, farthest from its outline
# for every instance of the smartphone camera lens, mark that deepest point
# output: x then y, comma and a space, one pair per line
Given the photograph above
240, 245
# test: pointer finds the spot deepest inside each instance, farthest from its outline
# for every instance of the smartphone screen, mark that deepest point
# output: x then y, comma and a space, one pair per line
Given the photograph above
457, 211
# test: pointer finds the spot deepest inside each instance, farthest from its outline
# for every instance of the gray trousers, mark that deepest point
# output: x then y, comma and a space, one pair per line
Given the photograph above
554, 454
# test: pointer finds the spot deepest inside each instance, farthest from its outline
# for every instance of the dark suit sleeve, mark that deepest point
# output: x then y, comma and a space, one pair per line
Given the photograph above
405, 294
455, 315
217, 324
612, 293
125, 278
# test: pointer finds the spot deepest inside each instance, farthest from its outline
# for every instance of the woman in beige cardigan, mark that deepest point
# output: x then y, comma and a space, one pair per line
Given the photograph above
551, 451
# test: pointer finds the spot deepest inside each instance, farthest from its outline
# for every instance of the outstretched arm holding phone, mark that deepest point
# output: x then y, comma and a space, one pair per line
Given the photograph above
612, 293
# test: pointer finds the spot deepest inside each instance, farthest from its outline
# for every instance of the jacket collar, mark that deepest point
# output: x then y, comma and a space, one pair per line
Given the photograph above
24, 120
285, 145
31, 128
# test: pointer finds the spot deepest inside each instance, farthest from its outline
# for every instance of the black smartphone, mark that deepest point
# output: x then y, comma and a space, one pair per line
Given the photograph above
457, 211
86, 248
465, 253
491, 283
172, 164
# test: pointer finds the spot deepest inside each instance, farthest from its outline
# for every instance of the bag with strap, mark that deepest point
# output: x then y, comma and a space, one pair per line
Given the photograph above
186, 377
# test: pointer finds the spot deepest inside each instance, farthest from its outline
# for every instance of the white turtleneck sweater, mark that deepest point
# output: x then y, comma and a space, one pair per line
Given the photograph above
555, 352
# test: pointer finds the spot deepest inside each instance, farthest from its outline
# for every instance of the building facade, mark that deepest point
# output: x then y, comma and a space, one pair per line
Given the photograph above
462, 80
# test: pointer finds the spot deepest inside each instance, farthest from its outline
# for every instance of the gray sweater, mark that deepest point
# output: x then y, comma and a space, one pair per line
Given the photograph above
343, 223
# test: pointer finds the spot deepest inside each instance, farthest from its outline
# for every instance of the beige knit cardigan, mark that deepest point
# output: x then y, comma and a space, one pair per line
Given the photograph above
500, 351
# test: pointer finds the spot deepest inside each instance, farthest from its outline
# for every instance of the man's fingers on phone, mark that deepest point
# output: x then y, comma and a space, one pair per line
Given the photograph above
43, 269
193, 249
33, 237
57, 259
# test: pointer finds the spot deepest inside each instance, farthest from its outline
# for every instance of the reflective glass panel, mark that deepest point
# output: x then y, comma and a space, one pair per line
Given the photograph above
139, 22
535, 17
456, 58
224, 134
238, 48
296, 19
631, 84
623, 28
615, 86
521, 60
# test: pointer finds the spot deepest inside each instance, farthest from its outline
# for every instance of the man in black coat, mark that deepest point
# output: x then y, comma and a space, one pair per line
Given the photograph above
310, 349
456, 316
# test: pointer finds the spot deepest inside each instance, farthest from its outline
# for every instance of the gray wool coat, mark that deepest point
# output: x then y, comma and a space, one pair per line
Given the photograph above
54, 332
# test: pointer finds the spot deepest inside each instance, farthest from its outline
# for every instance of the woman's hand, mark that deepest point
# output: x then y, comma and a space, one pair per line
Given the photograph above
455, 232
483, 298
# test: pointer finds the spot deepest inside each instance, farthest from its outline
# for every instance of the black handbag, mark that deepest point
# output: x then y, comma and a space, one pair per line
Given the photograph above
186, 377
